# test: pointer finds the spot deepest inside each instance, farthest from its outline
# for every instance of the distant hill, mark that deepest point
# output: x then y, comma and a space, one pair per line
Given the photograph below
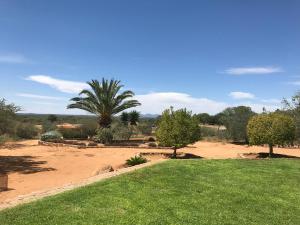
149, 115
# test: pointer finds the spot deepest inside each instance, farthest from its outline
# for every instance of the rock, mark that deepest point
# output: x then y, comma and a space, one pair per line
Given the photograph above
104, 169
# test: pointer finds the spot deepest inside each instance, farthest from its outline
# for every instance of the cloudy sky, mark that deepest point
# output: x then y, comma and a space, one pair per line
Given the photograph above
203, 55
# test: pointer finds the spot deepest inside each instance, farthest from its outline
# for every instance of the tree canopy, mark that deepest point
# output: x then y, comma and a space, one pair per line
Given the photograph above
177, 129
7, 116
104, 100
272, 129
235, 120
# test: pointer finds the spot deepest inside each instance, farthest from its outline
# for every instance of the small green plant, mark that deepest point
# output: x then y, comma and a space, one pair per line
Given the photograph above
136, 160
52, 136
104, 136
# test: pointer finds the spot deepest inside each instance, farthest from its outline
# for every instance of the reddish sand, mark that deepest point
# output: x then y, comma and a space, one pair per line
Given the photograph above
34, 168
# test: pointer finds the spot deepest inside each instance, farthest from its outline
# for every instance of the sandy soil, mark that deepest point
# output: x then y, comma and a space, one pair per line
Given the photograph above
34, 168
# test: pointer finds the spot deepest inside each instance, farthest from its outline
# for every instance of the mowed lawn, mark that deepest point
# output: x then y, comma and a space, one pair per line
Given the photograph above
178, 192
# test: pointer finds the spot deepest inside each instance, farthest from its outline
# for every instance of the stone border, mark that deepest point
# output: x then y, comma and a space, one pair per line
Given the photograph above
46, 143
21, 199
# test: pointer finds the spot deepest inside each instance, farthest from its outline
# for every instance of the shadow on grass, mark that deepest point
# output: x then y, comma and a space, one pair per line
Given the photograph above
263, 155
188, 156
180, 155
22, 164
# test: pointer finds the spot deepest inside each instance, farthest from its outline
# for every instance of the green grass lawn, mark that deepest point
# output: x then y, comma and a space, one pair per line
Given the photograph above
239, 192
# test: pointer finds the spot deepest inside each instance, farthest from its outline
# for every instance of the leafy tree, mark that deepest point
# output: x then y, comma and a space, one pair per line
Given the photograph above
134, 117
235, 120
204, 118
52, 118
7, 117
104, 100
26, 130
292, 108
125, 118
272, 129
177, 129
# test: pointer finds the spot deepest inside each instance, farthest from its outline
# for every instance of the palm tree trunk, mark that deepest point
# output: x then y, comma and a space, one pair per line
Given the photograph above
105, 121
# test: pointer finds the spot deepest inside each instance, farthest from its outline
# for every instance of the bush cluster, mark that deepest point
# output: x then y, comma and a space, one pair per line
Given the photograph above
26, 131
3, 138
104, 136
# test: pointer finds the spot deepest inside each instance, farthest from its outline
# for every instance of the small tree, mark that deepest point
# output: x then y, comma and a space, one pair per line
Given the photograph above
235, 120
124, 118
52, 118
292, 108
8, 117
272, 129
134, 117
177, 129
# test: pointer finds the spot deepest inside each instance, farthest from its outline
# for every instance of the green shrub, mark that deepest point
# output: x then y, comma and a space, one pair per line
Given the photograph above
104, 136
89, 128
145, 128
48, 126
136, 160
26, 131
3, 138
152, 144
52, 136
72, 133
121, 133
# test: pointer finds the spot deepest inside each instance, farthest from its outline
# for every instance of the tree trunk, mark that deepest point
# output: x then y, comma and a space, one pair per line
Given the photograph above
105, 121
270, 150
175, 153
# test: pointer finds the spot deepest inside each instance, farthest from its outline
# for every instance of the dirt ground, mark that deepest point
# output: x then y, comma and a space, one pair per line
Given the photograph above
33, 168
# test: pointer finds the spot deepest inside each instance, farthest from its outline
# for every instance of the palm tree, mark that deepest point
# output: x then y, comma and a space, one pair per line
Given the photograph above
103, 100
134, 117
125, 118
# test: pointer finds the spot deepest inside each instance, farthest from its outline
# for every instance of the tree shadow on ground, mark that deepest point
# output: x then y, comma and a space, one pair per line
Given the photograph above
22, 164
14, 146
189, 156
263, 155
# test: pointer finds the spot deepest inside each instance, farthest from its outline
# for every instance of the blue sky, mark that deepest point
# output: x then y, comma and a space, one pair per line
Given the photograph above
203, 55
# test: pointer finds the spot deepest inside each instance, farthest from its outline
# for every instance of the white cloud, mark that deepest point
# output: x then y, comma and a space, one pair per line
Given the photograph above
241, 95
258, 107
156, 102
296, 83
34, 96
61, 85
253, 70
153, 103
13, 58
272, 101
